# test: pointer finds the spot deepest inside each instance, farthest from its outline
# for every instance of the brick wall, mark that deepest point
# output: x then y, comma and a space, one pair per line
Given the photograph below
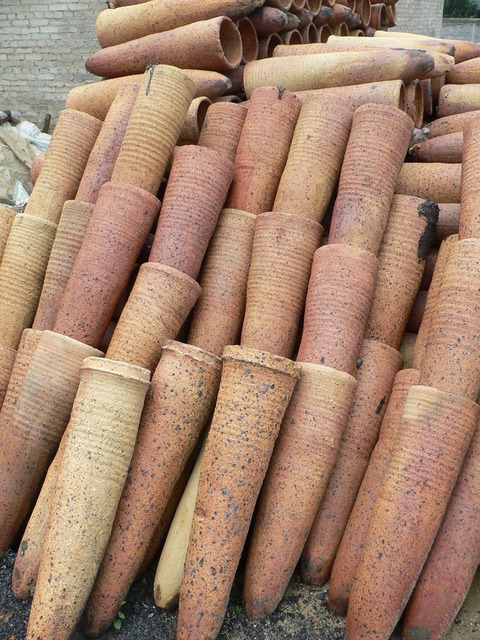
43, 48
420, 16
461, 29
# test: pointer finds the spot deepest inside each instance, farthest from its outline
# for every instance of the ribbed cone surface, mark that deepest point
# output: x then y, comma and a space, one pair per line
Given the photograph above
435, 181
390, 92
283, 248
7, 216
154, 126
337, 305
196, 190
222, 128
298, 473
315, 157
22, 271
7, 358
451, 124
469, 221
458, 98
218, 314
368, 176
68, 240
447, 148
94, 466
72, 141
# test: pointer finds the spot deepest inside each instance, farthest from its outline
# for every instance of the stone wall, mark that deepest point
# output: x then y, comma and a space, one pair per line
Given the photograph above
43, 48
420, 16
461, 29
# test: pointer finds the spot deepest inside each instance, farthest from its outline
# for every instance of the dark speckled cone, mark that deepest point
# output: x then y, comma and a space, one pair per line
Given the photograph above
368, 176
375, 375
196, 190
337, 305
73, 138
33, 418
255, 390
118, 228
283, 248
432, 441
94, 467
453, 560
181, 400
437, 181
351, 545
154, 126
298, 473
469, 222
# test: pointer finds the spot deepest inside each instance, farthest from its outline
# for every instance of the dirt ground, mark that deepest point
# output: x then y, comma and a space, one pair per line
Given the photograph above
302, 615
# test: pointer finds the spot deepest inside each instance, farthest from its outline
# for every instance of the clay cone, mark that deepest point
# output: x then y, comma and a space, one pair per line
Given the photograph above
222, 128
447, 148
458, 98
34, 415
390, 92
68, 240
7, 216
160, 301
298, 473
213, 44
435, 181
321, 70
315, 157
283, 248
268, 20
448, 220
118, 228
410, 231
369, 173
184, 389
451, 362
421, 344
336, 310
101, 160
154, 126
435, 433
194, 121
7, 358
261, 385
379, 365
263, 148
22, 271
249, 40
218, 315
94, 466
414, 102
453, 560
129, 23
169, 573
467, 72
72, 141
469, 222
196, 190
266, 46
451, 124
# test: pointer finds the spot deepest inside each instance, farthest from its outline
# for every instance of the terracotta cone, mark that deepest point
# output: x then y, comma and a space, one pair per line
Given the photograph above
447, 148
222, 128
283, 248
194, 120
410, 231
184, 390
154, 126
262, 149
458, 98
448, 220
337, 305
94, 466
22, 271
379, 364
218, 314
101, 160
315, 157
196, 190
72, 141
368, 176
435, 433
451, 124
68, 240
469, 221
390, 92
436, 181
262, 385
118, 228
7, 359
309, 439
157, 307
7, 216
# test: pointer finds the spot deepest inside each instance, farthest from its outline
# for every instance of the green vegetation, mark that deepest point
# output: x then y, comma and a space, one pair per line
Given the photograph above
461, 9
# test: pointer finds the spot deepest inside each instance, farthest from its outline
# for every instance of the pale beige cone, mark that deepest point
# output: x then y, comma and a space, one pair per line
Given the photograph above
94, 466
315, 157
458, 98
421, 344
222, 128
160, 301
169, 573
218, 314
7, 215
436, 181
72, 141
154, 126
390, 92
22, 271
7, 359
68, 240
